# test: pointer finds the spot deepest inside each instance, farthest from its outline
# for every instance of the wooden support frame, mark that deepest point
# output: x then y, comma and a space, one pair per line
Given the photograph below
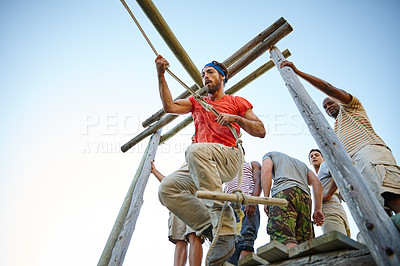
378, 231
170, 39
121, 233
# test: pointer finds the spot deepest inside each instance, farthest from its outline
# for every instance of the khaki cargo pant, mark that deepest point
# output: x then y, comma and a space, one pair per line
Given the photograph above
209, 165
379, 169
335, 217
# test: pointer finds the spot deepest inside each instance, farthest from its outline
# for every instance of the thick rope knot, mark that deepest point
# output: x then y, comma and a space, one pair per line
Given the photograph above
242, 198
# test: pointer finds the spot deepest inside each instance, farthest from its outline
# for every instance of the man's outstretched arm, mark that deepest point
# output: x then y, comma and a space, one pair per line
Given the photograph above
338, 95
181, 106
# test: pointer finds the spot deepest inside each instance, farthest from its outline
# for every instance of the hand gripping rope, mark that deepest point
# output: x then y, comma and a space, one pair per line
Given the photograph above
241, 197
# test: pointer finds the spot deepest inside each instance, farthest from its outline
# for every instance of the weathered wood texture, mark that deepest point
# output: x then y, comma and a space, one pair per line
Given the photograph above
273, 251
232, 90
170, 39
251, 260
228, 63
381, 236
325, 243
233, 198
119, 222
337, 258
124, 236
271, 40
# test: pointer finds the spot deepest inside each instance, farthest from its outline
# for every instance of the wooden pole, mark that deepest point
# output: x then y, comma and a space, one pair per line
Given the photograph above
232, 90
112, 239
125, 235
234, 198
378, 231
170, 39
254, 54
228, 63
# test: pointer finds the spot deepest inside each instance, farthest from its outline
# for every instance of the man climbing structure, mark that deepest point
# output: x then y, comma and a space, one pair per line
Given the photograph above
368, 151
212, 160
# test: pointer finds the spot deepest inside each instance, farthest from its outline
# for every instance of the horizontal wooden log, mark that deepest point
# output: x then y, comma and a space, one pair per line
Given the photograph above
228, 63
232, 90
170, 39
233, 198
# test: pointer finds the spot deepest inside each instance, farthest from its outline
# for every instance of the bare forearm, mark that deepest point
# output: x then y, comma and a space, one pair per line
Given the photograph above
317, 190
266, 184
254, 128
327, 88
165, 94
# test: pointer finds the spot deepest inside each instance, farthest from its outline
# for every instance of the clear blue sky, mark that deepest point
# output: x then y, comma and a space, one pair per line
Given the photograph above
77, 79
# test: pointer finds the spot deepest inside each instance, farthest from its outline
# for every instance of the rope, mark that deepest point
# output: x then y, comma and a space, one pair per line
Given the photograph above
209, 108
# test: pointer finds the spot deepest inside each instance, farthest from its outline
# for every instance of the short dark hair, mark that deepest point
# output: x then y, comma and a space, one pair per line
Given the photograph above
317, 150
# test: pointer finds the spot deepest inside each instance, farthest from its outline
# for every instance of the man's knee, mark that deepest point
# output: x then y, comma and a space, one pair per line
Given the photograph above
166, 188
193, 152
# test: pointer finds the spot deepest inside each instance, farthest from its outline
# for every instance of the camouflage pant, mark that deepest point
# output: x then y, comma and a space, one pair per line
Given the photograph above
292, 223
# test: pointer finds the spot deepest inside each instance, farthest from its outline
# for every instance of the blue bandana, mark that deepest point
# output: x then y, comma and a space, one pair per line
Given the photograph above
214, 65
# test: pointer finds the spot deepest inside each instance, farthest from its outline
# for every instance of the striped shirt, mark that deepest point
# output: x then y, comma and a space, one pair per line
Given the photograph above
353, 128
247, 186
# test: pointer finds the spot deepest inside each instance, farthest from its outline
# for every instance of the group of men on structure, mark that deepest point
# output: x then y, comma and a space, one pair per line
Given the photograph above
213, 159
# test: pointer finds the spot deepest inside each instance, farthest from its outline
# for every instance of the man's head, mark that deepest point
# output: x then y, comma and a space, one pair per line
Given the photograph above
315, 157
331, 107
214, 76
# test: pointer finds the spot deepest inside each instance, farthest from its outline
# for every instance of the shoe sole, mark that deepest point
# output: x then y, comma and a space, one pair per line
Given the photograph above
221, 261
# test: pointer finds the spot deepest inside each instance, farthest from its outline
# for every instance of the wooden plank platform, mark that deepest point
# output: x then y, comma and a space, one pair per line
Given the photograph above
338, 258
252, 260
325, 243
273, 251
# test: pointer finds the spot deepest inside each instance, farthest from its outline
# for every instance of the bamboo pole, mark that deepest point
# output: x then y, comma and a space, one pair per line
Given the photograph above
228, 63
125, 235
234, 198
170, 39
245, 61
378, 231
235, 88
115, 231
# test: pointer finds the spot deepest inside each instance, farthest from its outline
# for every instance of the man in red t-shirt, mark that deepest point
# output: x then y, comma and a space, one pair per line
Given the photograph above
212, 160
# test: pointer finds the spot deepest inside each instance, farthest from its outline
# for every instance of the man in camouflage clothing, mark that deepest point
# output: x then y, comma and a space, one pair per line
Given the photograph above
291, 224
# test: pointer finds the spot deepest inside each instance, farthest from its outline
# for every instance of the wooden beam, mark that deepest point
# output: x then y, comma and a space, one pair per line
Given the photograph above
273, 251
228, 63
378, 231
124, 237
327, 242
112, 239
170, 39
270, 41
232, 90
233, 198
148, 131
254, 54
